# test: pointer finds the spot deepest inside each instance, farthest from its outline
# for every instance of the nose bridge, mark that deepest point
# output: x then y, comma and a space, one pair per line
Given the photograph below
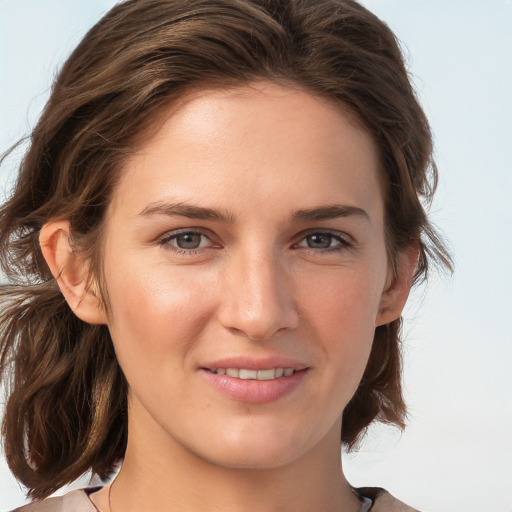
257, 296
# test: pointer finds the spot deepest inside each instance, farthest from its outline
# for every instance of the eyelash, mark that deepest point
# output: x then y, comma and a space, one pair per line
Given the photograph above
165, 241
344, 244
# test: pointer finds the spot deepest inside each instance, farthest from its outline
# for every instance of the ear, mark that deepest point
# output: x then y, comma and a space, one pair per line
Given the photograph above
395, 295
71, 272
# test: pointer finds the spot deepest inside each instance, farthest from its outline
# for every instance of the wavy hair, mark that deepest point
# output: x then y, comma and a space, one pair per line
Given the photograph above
67, 404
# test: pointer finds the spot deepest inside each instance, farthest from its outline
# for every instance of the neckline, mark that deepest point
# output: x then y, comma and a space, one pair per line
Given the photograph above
88, 491
366, 504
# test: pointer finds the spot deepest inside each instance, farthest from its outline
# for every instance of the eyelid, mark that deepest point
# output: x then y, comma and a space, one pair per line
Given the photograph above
347, 242
343, 236
164, 239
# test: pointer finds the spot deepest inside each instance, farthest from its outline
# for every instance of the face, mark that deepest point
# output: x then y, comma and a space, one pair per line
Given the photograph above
245, 265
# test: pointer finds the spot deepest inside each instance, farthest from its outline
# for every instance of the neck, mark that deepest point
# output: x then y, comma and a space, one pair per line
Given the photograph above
176, 479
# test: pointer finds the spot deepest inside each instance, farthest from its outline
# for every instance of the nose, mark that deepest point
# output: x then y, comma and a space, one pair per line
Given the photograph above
257, 297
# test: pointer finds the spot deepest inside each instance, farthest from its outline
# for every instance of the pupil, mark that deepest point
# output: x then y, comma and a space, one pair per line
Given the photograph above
319, 241
189, 241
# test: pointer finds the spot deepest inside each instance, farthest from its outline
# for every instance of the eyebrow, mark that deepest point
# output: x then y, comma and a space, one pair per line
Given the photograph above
186, 210
334, 211
200, 212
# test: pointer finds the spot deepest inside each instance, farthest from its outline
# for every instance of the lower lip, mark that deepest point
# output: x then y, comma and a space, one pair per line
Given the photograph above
254, 391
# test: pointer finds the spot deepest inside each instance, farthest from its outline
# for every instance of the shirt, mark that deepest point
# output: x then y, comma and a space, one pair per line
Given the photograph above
79, 501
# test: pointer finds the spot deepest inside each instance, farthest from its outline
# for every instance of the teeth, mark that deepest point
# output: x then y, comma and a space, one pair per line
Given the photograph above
266, 374
248, 374
243, 373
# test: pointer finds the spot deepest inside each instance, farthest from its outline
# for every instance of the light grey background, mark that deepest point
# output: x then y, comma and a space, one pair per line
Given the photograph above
456, 454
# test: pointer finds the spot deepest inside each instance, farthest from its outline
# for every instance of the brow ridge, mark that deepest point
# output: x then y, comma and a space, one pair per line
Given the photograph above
186, 210
319, 213
327, 212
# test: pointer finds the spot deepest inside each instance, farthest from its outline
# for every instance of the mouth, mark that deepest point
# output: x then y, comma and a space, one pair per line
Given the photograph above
249, 374
263, 383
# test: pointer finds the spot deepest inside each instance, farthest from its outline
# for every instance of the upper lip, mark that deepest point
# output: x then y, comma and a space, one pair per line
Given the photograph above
253, 363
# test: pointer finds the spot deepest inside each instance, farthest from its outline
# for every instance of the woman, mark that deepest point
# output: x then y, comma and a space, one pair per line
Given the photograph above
211, 240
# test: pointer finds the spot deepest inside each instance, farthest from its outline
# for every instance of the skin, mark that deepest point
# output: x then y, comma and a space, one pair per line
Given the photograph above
264, 282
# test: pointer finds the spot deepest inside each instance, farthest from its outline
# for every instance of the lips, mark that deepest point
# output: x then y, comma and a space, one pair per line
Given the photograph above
254, 363
255, 381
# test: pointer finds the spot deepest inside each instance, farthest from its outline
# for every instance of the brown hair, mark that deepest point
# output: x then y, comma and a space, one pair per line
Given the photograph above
66, 411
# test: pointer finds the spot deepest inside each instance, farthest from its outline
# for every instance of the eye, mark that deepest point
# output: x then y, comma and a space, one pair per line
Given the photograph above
186, 241
324, 241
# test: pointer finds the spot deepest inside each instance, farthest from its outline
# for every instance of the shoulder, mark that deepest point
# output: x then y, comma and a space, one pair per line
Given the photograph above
78, 501
383, 501
74, 501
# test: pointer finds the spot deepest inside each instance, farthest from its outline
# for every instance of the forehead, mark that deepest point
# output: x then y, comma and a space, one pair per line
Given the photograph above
252, 144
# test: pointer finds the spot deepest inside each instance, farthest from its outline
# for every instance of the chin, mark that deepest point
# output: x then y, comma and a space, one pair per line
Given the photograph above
254, 460
256, 450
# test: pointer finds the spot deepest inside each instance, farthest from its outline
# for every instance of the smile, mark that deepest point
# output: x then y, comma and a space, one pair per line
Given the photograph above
255, 386
246, 374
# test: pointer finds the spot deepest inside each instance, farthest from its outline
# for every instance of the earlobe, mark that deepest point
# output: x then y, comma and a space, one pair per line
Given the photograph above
70, 271
395, 295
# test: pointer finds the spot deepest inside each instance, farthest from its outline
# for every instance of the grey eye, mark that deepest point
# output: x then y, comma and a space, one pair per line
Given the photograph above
319, 241
188, 240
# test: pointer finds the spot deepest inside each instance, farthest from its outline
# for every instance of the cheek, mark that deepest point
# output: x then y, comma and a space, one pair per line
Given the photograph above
155, 311
343, 300
341, 311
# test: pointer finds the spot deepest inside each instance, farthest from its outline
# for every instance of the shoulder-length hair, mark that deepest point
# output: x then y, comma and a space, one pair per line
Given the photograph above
67, 407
